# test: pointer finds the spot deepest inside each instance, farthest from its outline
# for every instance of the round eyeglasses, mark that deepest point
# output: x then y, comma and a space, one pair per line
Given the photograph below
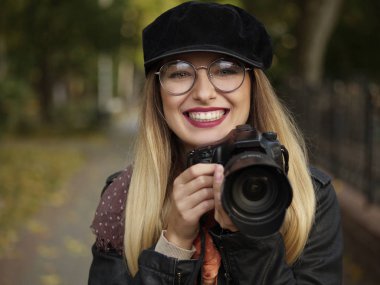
178, 77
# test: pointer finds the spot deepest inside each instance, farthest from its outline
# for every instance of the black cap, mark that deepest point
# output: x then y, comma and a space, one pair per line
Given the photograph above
198, 26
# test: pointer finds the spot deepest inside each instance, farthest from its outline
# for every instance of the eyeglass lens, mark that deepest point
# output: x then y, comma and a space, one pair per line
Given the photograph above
178, 77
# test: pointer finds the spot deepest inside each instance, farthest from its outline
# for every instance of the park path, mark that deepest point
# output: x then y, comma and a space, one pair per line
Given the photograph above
54, 246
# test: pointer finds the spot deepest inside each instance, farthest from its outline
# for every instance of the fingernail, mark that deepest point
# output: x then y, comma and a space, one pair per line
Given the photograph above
219, 173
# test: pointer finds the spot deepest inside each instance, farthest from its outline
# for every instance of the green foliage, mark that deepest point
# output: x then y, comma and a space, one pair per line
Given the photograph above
52, 41
56, 29
76, 116
33, 174
354, 48
280, 18
18, 107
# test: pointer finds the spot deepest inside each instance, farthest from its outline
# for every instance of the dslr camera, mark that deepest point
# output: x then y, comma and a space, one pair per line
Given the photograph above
256, 191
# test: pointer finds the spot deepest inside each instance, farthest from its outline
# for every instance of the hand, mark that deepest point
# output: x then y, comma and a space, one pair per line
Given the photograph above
192, 196
220, 215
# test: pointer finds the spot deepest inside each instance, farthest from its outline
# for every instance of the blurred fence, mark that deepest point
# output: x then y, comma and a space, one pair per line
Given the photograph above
341, 122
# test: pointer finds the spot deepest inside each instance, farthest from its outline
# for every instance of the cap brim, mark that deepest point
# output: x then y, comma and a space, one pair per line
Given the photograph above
202, 48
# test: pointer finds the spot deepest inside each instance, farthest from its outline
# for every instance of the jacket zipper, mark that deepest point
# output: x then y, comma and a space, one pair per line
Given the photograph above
225, 264
178, 275
178, 278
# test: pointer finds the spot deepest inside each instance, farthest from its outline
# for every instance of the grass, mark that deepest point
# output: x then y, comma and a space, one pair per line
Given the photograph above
31, 171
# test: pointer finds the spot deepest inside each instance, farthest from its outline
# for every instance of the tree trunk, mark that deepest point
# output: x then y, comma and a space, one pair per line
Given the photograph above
44, 89
315, 27
3, 62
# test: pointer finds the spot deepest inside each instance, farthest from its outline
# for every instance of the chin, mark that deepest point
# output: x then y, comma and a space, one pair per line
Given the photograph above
205, 141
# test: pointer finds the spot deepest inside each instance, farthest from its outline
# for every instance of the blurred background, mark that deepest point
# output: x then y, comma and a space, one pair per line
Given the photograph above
70, 79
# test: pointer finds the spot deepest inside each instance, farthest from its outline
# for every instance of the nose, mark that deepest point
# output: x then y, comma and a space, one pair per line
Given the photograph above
203, 90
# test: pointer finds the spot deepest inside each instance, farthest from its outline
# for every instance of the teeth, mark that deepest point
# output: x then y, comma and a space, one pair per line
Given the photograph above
206, 116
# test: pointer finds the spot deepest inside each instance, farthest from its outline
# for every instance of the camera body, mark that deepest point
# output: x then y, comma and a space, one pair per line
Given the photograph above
256, 191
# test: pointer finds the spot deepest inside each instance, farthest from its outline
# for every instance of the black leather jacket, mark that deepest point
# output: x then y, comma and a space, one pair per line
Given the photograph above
244, 260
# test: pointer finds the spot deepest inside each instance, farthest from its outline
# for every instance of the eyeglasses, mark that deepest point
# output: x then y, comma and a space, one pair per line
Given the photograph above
178, 76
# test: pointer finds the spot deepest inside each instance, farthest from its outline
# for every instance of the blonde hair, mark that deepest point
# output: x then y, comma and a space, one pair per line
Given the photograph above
270, 114
156, 153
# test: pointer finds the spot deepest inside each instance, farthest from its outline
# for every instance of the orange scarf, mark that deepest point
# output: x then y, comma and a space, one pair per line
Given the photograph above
212, 259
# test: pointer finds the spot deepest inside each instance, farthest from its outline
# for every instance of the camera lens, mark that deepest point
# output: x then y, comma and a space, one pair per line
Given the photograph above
254, 190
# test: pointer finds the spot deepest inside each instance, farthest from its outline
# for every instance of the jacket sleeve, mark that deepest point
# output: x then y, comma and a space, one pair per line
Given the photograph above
262, 261
110, 268
321, 260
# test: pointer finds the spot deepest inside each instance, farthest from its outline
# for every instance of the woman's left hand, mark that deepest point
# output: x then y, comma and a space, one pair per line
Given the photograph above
220, 215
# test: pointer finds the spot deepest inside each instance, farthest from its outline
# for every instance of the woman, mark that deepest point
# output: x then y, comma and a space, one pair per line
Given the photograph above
204, 65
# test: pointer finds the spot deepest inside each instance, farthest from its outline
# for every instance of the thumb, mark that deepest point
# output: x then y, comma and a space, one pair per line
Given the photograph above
218, 177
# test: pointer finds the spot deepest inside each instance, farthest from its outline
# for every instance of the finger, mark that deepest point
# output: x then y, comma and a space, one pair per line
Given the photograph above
220, 215
199, 183
217, 185
203, 207
185, 191
191, 216
199, 196
218, 178
195, 171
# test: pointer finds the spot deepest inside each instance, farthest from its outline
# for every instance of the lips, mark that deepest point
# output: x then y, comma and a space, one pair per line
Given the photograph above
206, 117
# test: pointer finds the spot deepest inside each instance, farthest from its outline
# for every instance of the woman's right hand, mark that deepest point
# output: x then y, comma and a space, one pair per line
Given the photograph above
192, 196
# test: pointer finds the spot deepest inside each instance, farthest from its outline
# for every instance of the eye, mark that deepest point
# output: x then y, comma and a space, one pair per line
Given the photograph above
179, 71
225, 68
180, 74
227, 71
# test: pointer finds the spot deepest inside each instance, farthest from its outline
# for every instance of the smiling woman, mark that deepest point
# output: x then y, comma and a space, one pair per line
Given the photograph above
161, 220
216, 100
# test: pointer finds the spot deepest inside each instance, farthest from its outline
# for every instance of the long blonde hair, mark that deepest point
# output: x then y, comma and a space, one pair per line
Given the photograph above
156, 152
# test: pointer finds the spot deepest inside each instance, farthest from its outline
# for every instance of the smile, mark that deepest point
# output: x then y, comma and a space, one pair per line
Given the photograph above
206, 116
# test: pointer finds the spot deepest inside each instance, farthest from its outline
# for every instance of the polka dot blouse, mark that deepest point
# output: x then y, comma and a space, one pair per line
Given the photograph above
108, 223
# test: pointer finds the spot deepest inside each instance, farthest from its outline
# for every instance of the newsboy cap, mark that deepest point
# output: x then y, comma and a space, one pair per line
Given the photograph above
199, 26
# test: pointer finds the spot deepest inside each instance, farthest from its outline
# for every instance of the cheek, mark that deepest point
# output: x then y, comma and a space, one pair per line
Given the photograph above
166, 103
171, 108
243, 105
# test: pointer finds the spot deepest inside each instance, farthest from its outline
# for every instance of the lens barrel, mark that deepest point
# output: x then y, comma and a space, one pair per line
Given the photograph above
256, 191
256, 194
